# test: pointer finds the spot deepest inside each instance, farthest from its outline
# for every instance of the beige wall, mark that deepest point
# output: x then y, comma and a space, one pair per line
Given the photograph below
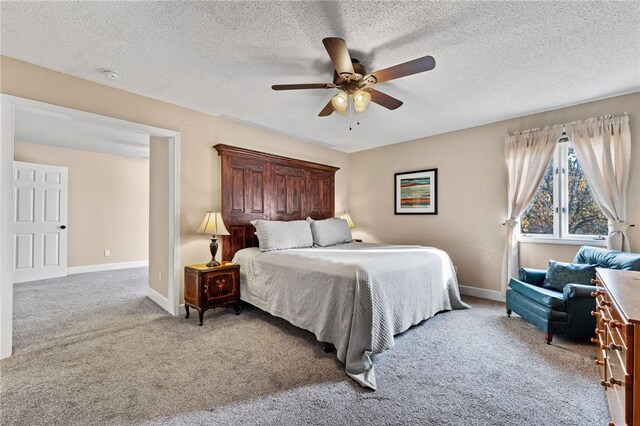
471, 170
199, 163
159, 215
108, 202
472, 202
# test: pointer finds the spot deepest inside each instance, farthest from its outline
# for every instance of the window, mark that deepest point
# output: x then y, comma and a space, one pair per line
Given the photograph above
563, 207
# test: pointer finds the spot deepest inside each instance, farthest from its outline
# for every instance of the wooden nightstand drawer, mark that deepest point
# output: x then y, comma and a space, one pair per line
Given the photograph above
221, 284
206, 288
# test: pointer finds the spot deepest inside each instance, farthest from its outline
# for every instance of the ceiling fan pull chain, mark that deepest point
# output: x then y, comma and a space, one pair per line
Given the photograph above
350, 106
353, 108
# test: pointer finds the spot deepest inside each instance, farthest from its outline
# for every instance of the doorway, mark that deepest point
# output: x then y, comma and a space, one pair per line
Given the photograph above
13, 106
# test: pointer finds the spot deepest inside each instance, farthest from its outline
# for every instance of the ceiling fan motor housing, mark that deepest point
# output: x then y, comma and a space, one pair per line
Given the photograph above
350, 83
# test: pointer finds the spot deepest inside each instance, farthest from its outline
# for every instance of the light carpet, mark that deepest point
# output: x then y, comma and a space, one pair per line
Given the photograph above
91, 349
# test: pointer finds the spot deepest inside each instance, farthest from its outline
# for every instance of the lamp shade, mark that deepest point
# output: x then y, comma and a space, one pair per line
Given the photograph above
340, 102
213, 225
345, 216
361, 101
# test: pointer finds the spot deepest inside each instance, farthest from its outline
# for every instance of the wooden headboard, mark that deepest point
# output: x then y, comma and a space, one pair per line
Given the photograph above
257, 185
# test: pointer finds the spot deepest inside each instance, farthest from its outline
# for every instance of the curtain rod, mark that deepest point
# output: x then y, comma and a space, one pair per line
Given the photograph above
572, 123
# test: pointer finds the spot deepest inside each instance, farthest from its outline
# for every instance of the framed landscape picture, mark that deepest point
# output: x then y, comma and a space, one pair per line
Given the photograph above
416, 192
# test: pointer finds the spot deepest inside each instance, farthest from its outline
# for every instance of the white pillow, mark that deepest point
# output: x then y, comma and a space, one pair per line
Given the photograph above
278, 235
330, 232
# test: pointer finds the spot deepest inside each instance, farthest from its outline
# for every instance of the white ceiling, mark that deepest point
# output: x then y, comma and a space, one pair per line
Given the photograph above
495, 60
66, 132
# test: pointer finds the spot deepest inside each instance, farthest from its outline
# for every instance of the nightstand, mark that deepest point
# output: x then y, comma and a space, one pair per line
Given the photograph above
211, 287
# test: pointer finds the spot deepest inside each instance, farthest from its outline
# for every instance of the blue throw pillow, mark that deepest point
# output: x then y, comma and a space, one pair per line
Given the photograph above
560, 274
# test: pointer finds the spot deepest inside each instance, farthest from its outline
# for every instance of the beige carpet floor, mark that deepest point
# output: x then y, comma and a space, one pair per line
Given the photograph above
92, 350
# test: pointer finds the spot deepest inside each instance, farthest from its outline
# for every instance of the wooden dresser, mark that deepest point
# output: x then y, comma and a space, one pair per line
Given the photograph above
618, 342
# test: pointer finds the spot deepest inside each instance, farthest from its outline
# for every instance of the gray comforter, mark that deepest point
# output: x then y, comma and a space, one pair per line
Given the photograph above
356, 296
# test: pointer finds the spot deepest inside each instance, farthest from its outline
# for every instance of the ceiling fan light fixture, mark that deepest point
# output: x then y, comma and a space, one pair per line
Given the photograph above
361, 100
340, 102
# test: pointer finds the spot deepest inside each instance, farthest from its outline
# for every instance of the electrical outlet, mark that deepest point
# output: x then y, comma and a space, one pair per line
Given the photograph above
107, 253
160, 276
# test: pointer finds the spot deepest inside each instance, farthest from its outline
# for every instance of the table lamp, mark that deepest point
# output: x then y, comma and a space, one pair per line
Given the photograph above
344, 215
214, 226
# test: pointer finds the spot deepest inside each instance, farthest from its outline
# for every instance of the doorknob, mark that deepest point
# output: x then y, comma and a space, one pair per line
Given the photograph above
63, 227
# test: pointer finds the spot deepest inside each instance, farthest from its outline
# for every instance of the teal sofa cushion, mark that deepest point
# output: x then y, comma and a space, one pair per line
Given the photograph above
549, 298
560, 274
610, 259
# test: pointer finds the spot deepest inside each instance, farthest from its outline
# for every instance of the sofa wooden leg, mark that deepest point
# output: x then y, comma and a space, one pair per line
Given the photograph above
509, 312
548, 337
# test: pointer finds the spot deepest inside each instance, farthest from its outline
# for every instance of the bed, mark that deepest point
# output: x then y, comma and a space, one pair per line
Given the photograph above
356, 296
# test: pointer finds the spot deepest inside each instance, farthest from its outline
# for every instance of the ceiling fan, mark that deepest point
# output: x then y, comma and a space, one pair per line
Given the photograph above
353, 81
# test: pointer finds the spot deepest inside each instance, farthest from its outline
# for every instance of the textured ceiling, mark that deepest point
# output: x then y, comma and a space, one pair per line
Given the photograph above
66, 132
495, 60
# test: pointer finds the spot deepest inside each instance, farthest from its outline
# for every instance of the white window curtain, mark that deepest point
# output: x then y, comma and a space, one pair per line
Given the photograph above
528, 155
603, 147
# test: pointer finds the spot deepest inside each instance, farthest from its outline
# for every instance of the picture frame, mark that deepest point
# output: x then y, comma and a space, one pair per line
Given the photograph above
416, 192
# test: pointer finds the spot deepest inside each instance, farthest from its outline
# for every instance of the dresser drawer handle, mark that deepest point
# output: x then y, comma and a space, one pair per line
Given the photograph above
594, 313
597, 293
615, 324
598, 362
598, 344
615, 382
605, 384
614, 347
598, 331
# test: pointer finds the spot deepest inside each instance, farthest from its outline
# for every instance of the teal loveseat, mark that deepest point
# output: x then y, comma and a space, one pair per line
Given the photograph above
566, 312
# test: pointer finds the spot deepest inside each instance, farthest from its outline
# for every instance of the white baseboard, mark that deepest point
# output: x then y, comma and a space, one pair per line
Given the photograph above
481, 292
107, 267
181, 309
162, 301
46, 276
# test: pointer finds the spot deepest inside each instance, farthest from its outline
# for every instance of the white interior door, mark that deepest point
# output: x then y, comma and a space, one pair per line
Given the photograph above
40, 221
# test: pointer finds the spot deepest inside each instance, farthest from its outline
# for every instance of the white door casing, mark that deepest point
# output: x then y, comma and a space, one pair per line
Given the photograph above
9, 105
40, 221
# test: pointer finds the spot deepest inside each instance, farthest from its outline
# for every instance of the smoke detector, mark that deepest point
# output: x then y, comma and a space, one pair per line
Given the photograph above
111, 74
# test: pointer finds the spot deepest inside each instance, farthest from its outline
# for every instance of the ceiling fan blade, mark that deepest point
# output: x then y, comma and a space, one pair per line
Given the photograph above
426, 63
383, 99
327, 110
303, 86
337, 49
